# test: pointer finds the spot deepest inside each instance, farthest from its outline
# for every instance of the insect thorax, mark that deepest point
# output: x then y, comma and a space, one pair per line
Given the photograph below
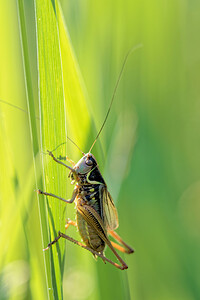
91, 195
89, 191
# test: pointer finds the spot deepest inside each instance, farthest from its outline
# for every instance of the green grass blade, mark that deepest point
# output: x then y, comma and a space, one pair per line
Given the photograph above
52, 115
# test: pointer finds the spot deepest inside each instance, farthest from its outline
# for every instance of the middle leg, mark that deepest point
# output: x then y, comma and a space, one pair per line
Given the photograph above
75, 191
70, 222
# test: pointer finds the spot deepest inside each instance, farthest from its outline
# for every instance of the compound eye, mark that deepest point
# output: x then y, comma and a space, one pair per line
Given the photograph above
88, 162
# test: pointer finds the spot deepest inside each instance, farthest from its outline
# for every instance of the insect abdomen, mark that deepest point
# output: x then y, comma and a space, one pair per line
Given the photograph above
89, 235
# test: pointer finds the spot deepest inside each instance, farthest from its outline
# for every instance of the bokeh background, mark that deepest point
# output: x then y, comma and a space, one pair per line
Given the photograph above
150, 149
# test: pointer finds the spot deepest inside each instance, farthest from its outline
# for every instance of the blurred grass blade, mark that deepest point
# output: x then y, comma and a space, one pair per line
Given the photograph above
28, 81
32, 118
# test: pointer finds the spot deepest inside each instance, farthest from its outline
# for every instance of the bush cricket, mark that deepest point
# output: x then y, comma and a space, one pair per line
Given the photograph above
96, 214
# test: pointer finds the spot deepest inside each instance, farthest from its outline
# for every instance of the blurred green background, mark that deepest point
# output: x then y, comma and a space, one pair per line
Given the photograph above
150, 147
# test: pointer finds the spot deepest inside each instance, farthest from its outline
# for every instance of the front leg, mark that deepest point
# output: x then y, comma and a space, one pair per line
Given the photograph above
75, 192
59, 162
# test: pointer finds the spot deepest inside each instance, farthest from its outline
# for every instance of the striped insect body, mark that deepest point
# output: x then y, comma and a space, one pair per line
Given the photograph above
92, 192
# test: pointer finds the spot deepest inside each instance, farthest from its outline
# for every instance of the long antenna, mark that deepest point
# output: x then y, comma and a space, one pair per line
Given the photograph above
71, 142
115, 89
15, 106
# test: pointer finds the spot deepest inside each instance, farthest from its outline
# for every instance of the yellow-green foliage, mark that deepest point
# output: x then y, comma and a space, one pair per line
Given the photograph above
148, 151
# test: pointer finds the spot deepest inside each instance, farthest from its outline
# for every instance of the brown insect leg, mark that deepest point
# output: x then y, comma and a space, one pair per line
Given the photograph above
58, 161
128, 249
53, 242
91, 250
118, 247
54, 196
60, 198
60, 234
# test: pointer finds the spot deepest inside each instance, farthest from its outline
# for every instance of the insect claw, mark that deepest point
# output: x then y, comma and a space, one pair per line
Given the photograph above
131, 251
46, 248
44, 153
125, 267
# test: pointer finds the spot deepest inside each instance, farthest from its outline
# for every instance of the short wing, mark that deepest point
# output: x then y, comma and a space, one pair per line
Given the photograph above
110, 216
